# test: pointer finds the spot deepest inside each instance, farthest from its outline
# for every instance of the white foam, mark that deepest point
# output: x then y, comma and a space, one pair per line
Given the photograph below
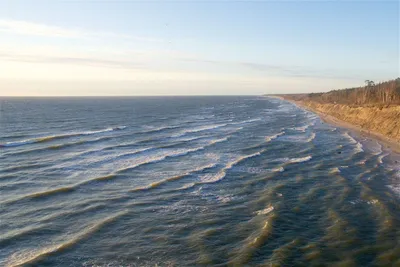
360, 201
158, 129
374, 147
280, 169
162, 155
219, 140
312, 137
225, 199
51, 137
186, 186
265, 211
176, 177
359, 148
246, 121
334, 170
350, 138
395, 188
191, 138
200, 129
299, 138
301, 128
212, 178
299, 160
234, 162
381, 157
272, 137
31, 256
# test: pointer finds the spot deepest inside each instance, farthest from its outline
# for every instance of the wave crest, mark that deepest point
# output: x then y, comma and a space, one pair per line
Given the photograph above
59, 136
272, 137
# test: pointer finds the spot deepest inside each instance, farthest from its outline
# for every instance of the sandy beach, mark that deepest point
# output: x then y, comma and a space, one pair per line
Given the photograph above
386, 141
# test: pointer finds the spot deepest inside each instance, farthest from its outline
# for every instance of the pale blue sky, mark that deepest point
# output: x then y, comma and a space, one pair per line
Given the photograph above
194, 47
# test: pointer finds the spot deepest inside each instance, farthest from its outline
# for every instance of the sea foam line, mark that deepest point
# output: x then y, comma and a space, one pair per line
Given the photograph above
176, 153
358, 146
350, 138
53, 137
299, 160
212, 178
200, 129
312, 137
381, 157
159, 129
33, 257
147, 160
301, 128
245, 121
174, 178
272, 137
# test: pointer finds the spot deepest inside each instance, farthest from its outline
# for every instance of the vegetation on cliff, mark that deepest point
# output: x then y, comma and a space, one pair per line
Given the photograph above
385, 93
374, 107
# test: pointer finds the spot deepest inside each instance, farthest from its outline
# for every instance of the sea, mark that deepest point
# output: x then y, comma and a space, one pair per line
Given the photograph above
191, 181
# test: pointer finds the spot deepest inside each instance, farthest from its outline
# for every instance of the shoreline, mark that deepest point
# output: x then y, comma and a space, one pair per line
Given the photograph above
389, 143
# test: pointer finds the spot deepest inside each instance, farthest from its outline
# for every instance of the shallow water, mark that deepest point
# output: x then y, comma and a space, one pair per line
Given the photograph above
188, 181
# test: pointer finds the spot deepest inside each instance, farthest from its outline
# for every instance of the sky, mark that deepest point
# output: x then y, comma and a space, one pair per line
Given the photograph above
112, 48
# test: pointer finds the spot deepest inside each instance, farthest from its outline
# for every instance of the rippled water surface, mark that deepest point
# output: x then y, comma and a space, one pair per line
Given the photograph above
191, 181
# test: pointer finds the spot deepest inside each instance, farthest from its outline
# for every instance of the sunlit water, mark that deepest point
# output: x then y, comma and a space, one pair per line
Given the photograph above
191, 181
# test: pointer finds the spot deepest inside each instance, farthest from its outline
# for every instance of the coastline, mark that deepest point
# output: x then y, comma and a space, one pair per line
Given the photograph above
388, 142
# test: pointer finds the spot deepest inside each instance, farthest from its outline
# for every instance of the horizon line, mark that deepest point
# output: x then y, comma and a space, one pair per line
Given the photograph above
59, 96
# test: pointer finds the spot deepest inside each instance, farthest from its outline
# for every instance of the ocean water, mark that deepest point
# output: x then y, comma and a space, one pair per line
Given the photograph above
191, 181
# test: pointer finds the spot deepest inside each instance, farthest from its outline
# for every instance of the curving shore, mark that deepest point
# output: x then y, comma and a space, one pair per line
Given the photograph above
381, 123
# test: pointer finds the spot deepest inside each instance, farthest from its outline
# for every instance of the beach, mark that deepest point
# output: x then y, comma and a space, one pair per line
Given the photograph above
388, 142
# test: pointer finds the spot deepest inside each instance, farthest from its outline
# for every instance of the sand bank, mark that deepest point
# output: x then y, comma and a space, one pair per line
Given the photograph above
389, 142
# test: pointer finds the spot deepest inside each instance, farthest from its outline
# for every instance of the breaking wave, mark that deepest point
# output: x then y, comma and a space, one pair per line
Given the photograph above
301, 128
174, 178
212, 178
200, 129
299, 160
60, 136
272, 137
34, 256
312, 137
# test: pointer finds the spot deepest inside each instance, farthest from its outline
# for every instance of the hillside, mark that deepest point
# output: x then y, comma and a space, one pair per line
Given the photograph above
385, 93
373, 108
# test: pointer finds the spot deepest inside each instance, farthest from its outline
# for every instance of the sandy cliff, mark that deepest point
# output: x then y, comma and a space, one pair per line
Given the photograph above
383, 120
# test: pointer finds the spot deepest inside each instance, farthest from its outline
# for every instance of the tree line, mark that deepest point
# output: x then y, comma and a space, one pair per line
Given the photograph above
385, 93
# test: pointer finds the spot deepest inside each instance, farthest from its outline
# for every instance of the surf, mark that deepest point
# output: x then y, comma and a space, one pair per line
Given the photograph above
58, 136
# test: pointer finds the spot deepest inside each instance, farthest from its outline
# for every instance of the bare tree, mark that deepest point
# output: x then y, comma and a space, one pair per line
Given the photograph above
371, 94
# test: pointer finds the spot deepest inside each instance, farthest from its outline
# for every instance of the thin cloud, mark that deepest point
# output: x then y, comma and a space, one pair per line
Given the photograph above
30, 28
39, 29
73, 60
287, 71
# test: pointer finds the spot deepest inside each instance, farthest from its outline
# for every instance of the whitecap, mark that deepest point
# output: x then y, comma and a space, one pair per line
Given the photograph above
52, 137
212, 178
299, 160
301, 128
265, 211
359, 148
200, 129
334, 170
312, 137
272, 137
350, 138
381, 157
